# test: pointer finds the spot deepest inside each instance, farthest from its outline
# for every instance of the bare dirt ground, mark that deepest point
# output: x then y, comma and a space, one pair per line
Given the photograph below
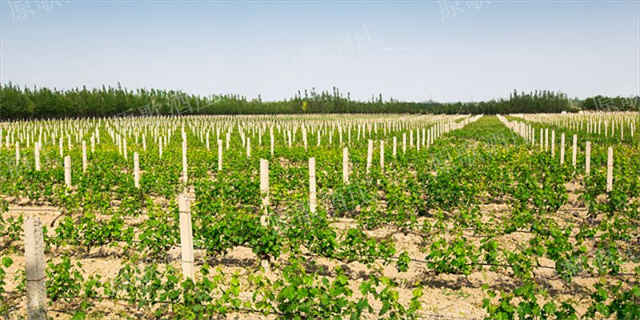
445, 296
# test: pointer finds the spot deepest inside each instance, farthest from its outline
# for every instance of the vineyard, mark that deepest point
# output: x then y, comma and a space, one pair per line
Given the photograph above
395, 216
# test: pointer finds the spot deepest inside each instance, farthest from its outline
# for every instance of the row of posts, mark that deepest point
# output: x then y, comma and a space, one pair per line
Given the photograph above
527, 132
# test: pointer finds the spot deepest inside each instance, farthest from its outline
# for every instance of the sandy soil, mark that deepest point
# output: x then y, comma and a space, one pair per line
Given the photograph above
448, 296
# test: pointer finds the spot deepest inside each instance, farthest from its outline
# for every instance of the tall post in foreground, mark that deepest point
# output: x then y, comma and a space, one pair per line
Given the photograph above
67, 171
264, 184
126, 154
271, 139
369, 155
553, 143
382, 155
35, 274
37, 155
404, 143
546, 139
184, 161
186, 236
562, 148
345, 165
575, 150
395, 145
610, 170
84, 156
264, 193
312, 185
136, 169
248, 148
587, 158
219, 155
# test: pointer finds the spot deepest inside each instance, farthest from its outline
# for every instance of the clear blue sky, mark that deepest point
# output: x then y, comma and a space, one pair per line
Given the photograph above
418, 51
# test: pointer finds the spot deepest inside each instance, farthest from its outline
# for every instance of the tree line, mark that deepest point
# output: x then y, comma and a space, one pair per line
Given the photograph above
32, 103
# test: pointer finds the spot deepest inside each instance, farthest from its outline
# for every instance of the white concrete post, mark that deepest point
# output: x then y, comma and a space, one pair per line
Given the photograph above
264, 183
369, 155
546, 139
404, 143
541, 139
411, 138
312, 185
610, 170
67, 171
271, 140
264, 193
136, 169
184, 161
219, 155
553, 143
248, 148
186, 237
84, 156
382, 155
575, 150
35, 269
562, 148
587, 158
126, 154
37, 155
395, 144
345, 165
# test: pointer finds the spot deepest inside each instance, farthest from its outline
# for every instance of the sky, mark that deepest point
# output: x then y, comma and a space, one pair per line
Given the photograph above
411, 51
